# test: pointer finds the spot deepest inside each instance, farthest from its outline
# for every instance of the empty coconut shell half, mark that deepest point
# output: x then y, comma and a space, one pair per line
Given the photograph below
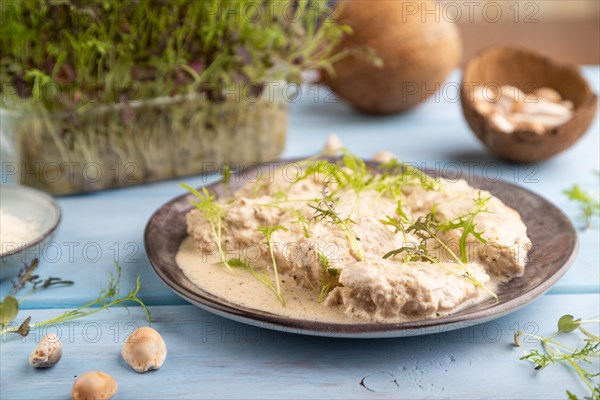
528, 71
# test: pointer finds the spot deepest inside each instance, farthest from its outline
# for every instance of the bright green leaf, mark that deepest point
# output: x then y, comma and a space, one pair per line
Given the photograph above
9, 308
566, 323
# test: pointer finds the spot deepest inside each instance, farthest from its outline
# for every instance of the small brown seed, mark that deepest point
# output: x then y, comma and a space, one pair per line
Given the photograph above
47, 353
144, 350
333, 145
383, 157
501, 123
94, 385
548, 94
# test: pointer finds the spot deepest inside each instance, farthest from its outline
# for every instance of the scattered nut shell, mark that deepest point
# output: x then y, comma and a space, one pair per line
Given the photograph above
144, 350
548, 94
545, 107
94, 385
515, 111
47, 353
501, 123
333, 145
383, 157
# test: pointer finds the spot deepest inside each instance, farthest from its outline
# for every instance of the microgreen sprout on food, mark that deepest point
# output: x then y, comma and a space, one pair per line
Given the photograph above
467, 224
260, 276
214, 214
325, 210
268, 232
425, 228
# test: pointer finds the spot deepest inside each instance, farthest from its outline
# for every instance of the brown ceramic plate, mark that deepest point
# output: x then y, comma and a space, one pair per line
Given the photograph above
553, 235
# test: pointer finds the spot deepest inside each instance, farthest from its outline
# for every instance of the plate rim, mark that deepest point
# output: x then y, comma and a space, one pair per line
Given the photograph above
261, 318
48, 232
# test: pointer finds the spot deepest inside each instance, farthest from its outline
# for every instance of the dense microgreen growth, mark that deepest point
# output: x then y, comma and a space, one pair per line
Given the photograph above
588, 206
554, 351
268, 232
214, 214
86, 51
108, 297
467, 224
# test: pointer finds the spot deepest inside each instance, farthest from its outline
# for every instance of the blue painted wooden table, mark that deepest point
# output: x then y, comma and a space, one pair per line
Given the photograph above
211, 357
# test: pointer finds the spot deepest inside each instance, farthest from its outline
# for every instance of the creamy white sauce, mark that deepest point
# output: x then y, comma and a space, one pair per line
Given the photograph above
240, 288
366, 287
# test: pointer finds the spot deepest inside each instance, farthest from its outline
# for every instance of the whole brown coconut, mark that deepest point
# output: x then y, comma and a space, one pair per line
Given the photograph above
417, 54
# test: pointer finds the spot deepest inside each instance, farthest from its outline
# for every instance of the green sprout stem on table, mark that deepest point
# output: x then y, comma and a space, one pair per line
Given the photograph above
588, 206
557, 352
108, 297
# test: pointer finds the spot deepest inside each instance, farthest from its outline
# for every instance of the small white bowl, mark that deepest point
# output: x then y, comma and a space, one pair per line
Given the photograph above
29, 204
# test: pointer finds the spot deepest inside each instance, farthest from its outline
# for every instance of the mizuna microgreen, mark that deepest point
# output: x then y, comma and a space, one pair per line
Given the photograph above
467, 224
425, 228
261, 277
327, 270
588, 206
325, 210
268, 231
557, 352
214, 215
108, 297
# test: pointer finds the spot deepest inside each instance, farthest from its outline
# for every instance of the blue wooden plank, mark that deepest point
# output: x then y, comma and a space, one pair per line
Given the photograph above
101, 227
210, 357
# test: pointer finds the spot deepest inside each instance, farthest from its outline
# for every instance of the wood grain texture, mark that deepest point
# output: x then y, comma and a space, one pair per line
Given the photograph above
222, 366
211, 357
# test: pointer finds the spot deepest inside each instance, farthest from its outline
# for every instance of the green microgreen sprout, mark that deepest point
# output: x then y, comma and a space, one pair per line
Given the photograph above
226, 174
268, 232
261, 277
109, 51
588, 206
467, 224
108, 297
401, 173
214, 214
425, 228
302, 221
557, 352
327, 270
26, 276
325, 210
